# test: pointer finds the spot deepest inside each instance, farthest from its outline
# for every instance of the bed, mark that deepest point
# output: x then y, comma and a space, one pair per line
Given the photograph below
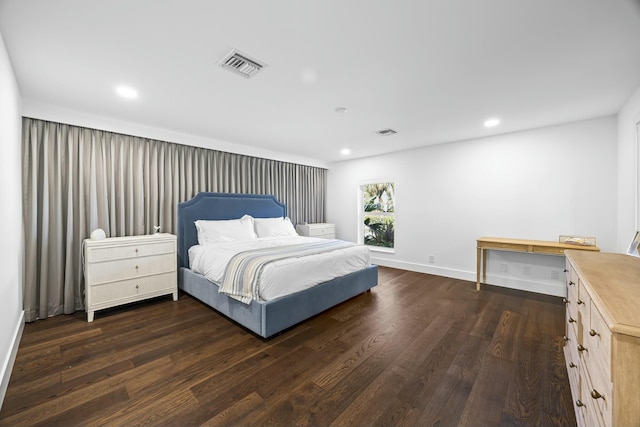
264, 318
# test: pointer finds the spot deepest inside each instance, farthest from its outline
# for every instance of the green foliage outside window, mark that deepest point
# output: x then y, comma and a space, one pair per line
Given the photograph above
379, 220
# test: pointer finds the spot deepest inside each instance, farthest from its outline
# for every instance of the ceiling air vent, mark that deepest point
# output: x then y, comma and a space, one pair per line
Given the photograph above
241, 64
386, 132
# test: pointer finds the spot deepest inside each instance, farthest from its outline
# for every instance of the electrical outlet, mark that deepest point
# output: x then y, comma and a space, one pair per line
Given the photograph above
432, 259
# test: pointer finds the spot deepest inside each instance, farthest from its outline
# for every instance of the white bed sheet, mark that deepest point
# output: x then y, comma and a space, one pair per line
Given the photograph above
284, 276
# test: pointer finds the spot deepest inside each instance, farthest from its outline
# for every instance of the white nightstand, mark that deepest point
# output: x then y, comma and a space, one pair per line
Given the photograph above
321, 229
120, 270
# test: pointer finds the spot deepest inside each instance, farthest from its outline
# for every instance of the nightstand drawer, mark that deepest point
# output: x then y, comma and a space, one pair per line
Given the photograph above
108, 253
122, 269
323, 230
115, 293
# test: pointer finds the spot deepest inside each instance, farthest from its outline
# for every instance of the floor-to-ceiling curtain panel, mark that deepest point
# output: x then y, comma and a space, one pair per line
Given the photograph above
77, 179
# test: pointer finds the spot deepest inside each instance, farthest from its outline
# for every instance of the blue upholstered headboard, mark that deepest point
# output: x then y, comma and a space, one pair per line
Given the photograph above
216, 206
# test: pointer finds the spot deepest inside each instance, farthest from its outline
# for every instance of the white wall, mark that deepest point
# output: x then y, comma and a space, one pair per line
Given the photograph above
535, 184
11, 243
628, 185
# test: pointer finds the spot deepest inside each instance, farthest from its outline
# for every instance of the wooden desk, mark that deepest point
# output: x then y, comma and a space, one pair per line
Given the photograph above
518, 245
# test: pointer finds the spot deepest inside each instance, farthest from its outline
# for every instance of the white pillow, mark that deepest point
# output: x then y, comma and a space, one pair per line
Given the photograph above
274, 227
225, 230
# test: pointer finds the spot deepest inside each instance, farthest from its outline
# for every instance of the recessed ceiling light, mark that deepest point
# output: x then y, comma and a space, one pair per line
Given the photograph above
127, 92
491, 123
345, 151
340, 109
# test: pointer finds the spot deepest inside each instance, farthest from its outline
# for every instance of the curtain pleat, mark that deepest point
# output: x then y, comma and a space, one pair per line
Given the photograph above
77, 179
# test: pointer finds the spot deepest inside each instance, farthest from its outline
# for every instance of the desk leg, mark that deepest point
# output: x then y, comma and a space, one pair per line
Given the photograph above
484, 266
478, 264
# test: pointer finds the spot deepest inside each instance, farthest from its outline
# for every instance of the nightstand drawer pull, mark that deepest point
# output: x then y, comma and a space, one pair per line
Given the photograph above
579, 403
593, 333
580, 302
581, 347
596, 395
566, 338
572, 320
571, 283
564, 300
572, 365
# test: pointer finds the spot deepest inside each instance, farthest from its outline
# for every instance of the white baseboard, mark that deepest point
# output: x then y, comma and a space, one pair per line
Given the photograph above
541, 287
425, 268
7, 365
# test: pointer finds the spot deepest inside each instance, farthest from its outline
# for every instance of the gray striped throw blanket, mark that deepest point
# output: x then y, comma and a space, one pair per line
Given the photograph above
242, 275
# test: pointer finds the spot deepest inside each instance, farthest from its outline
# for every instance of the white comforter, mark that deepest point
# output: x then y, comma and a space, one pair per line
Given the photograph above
285, 276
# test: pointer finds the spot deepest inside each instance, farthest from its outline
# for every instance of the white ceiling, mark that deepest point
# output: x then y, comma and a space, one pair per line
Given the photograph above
433, 70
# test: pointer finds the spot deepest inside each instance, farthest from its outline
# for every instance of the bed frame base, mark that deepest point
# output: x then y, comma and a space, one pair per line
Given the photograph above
269, 318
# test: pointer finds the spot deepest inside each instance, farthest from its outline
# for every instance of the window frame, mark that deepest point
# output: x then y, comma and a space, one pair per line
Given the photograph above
361, 213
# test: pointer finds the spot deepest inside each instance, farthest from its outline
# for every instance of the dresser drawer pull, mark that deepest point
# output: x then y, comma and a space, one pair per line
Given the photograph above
580, 302
571, 283
564, 270
136, 251
566, 338
593, 333
137, 287
572, 320
596, 395
572, 365
579, 403
581, 347
564, 300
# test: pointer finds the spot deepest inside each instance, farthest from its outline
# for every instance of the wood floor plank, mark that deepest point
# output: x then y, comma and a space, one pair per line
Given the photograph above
96, 407
448, 400
503, 345
370, 404
234, 413
49, 408
486, 401
522, 401
417, 350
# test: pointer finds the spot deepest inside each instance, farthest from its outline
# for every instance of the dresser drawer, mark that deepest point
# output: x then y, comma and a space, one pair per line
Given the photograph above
572, 301
125, 251
598, 339
572, 360
596, 400
114, 293
109, 271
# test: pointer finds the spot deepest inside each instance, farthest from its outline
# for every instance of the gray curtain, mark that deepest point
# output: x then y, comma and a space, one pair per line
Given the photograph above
77, 179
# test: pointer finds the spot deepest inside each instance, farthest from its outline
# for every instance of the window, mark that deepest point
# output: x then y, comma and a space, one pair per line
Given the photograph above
377, 218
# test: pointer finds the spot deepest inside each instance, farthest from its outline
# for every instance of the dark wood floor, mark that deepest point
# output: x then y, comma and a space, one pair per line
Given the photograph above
418, 350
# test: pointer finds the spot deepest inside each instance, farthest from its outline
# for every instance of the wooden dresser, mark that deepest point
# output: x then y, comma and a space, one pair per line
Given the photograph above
602, 350
120, 270
324, 230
